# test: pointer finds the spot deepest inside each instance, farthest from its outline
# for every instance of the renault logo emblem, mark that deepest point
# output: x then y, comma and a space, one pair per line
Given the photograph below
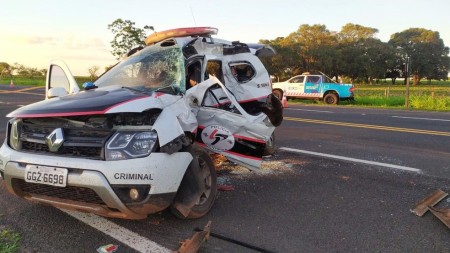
55, 140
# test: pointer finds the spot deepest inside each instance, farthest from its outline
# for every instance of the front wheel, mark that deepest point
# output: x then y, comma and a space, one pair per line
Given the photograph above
206, 190
330, 99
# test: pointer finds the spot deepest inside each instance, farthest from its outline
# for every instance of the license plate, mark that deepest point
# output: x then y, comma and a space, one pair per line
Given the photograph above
46, 175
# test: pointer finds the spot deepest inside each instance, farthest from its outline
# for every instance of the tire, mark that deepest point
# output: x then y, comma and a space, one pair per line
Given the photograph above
278, 94
270, 146
331, 99
207, 197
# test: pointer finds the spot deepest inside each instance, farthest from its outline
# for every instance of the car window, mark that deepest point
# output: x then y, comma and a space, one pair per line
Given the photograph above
214, 68
193, 74
58, 78
298, 79
328, 80
313, 79
151, 68
242, 71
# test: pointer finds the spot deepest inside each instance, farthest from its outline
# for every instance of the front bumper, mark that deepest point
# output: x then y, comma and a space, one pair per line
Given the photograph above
91, 183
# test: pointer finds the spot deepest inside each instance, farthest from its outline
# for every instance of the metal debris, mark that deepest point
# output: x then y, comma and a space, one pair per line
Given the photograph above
429, 202
423, 206
193, 245
442, 213
108, 248
237, 242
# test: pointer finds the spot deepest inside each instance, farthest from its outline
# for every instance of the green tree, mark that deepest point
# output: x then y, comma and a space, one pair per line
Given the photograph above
93, 72
361, 53
354, 33
126, 36
426, 50
5, 70
367, 59
316, 44
43, 72
380, 57
353, 59
286, 62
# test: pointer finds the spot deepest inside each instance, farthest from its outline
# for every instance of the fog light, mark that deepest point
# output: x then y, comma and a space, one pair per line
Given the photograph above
134, 194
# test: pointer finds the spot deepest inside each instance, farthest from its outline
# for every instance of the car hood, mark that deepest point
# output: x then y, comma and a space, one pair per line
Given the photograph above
96, 101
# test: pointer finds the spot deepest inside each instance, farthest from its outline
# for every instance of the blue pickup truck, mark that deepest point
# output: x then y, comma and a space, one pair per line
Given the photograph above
318, 87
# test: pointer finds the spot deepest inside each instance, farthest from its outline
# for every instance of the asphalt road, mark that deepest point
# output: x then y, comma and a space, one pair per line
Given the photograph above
406, 138
299, 202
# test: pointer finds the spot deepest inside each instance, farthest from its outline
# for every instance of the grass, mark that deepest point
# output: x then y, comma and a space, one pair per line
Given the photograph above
9, 241
435, 97
38, 81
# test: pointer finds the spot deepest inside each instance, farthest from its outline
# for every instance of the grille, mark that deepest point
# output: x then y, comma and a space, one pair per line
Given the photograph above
69, 193
79, 142
79, 151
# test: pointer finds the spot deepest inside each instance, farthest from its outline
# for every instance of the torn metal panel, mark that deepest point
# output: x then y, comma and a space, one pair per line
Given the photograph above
443, 214
208, 48
193, 245
423, 206
261, 50
227, 128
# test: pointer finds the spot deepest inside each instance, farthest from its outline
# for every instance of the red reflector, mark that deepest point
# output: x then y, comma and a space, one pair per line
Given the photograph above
352, 89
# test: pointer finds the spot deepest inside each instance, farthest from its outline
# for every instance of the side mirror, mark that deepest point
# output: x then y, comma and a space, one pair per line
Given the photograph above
56, 92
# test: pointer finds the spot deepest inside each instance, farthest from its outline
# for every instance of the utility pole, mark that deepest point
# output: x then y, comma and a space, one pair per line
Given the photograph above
407, 82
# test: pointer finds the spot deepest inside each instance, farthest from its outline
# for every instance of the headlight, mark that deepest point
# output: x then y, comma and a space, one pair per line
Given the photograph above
14, 134
130, 144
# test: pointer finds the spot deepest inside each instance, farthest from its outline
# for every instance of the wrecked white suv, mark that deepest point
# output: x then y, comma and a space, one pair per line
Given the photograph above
138, 140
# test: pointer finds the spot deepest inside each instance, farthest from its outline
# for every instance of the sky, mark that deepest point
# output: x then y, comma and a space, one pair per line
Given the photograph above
34, 32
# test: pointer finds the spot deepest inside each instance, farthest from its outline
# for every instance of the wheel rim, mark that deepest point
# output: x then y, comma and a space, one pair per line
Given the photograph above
330, 100
207, 182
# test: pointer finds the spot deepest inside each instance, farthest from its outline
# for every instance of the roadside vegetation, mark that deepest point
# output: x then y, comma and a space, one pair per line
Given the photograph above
38, 81
9, 241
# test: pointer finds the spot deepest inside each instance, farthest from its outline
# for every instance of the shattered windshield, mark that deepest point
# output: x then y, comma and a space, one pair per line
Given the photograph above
153, 68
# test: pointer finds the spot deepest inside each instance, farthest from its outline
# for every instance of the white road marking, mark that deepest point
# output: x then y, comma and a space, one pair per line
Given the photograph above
119, 233
392, 166
420, 118
296, 109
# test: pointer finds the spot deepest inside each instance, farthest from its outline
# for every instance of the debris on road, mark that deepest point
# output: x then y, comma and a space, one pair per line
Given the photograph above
429, 202
108, 248
225, 187
443, 214
193, 245
423, 206
237, 242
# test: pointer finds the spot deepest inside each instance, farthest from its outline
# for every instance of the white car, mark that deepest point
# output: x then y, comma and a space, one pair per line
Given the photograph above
138, 139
